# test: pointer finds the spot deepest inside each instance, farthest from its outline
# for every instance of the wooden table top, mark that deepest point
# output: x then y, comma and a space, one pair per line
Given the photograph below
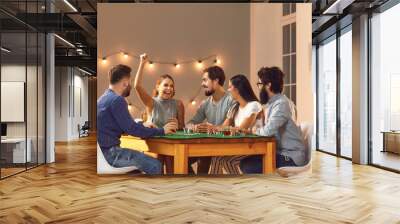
207, 140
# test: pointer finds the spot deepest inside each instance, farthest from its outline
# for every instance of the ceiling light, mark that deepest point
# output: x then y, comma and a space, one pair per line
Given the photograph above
84, 71
338, 6
70, 5
64, 40
5, 50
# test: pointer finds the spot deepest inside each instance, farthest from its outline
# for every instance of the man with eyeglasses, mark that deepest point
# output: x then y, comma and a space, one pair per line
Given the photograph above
279, 122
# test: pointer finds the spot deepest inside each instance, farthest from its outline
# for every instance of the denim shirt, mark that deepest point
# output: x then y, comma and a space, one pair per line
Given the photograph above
113, 119
279, 123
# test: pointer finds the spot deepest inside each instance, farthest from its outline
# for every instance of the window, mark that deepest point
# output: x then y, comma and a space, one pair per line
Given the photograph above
289, 60
334, 94
346, 92
288, 8
22, 65
289, 50
326, 137
385, 89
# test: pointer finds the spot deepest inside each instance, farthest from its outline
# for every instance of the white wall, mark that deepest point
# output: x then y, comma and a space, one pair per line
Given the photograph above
61, 103
12, 73
172, 32
33, 127
80, 83
66, 100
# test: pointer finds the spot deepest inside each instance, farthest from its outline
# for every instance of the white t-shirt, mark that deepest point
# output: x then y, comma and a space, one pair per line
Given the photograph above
252, 107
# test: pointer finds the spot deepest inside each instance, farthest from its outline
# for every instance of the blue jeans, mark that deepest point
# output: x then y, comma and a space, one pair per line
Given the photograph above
120, 157
253, 164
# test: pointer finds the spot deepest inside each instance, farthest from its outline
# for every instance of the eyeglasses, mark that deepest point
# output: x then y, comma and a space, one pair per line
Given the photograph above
260, 85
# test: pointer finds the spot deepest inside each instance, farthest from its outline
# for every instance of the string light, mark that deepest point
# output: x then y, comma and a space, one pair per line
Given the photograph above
193, 99
199, 63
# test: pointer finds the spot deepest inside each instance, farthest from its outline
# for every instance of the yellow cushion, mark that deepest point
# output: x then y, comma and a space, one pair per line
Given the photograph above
134, 143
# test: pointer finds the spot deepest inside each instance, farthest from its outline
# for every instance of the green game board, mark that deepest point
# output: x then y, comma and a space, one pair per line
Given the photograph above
181, 135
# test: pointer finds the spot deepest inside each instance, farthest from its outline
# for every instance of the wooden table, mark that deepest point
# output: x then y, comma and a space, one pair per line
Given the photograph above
182, 149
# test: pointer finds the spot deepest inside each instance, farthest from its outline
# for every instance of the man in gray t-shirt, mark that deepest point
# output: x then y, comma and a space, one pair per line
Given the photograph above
213, 110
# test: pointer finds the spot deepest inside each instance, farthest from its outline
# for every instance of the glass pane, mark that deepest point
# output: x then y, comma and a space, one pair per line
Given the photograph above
31, 98
286, 69
286, 39
13, 86
385, 90
293, 69
285, 9
346, 94
293, 93
293, 8
293, 37
327, 97
41, 98
32, 88
286, 91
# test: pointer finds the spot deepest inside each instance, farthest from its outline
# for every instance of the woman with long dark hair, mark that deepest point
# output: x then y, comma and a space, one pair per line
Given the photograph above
242, 115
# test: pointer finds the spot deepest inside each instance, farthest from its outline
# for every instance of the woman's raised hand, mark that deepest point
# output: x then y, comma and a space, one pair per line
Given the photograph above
143, 58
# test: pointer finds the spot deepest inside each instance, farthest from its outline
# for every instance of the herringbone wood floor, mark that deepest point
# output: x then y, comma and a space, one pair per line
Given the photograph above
69, 191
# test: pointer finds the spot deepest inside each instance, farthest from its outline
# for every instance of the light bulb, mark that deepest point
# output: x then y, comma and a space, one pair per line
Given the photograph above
151, 64
193, 102
125, 55
104, 60
177, 65
199, 64
217, 61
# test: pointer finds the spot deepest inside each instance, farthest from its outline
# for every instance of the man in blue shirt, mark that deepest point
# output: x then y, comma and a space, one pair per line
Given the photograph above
279, 122
113, 119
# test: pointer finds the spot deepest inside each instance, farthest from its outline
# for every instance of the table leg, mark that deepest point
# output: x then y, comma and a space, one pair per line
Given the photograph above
269, 158
181, 159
